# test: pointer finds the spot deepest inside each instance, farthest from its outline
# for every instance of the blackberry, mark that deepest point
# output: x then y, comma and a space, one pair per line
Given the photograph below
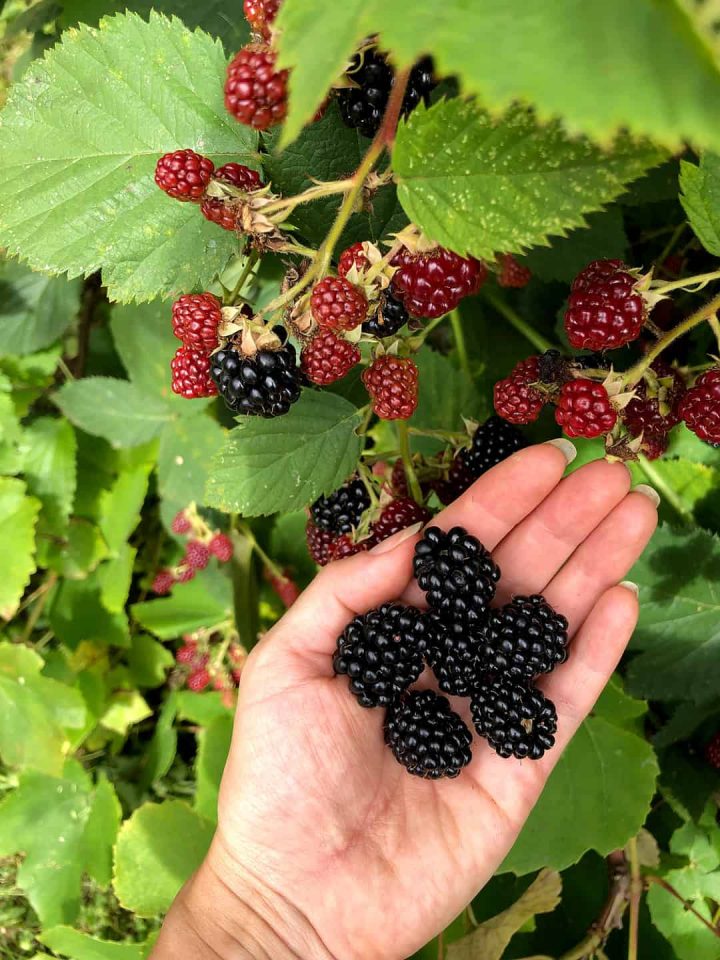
454, 654
457, 574
342, 510
400, 513
320, 543
381, 652
264, 385
516, 719
492, 443
362, 106
524, 638
428, 738
391, 315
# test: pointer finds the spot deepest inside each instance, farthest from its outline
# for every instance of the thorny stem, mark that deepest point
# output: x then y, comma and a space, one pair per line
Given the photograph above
611, 917
698, 281
636, 889
459, 337
669, 495
708, 310
288, 204
404, 441
522, 326
652, 878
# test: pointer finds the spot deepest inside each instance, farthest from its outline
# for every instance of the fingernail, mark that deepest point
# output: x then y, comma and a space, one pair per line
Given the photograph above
649, 492
397, 538
566, 448
632, 587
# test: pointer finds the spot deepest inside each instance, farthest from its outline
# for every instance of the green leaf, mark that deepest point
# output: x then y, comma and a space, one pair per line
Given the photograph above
81, 134
35, 310
80, 946
700, 196
158, 758
150, 864
49, 451
213, 749
148, 661
101, 831
18, 516
10, 430
120, 506
597, 797
268, 466
37, 715
125, 709
694, 489
684, 721
446, 395
603, 238
187, 446
678, 635
199, 603
117, 410
79, 552
483, 186
202, 709
289, 549
115, 579
77, 613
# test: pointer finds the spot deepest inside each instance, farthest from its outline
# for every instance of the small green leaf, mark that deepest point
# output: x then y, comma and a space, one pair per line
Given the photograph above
446, 395
80, 946
18, 516
201, 602
125, 708
79, 552
117, 410
700, 196
187, 446
481, 185
35, 309
77, 613
148, 661
115, 578
158, 758
120, 506
150, 864
49, 451
101, 831
213, 748
268, 466
202, 709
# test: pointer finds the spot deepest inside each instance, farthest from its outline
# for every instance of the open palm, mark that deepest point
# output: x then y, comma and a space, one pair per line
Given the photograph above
315, 810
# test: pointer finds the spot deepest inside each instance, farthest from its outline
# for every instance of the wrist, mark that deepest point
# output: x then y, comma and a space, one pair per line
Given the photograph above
224, 914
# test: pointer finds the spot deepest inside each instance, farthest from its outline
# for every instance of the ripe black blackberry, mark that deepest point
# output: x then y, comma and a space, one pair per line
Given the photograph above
457, 574
390, 316
454, 654
516, 719
492, 443
342, 510
381, 652
428, 738
264, 385
524, 638
362, 106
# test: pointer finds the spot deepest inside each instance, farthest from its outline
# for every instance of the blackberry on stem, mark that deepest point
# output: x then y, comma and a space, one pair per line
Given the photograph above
391, 315
492, 442
516, 719
341, 510
263, 385
524, 638
426, 736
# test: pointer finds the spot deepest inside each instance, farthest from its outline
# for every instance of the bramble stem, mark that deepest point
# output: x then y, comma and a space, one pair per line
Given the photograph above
266, 560
522, 326
698, 280
404, 442
247, 269
460, 344
288, 204
652, 878
636, 889
665, 489
612, 913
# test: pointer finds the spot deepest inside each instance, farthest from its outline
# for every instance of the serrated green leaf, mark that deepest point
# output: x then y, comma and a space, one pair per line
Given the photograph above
202, 709
35, 309
213, 748
18, 516
694, 487
700, 196
201, 602
684, 721
116, 410
604, 784
187, 446
266, 466
10, 430
49, 451
484, 186
81, 946
679, 629
79, 552
80, 137
115, 578
148, 661
150, 864
446, 395
158, 758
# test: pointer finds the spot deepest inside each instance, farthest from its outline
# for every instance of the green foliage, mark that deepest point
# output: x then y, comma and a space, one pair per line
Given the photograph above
700, 185
18, 516
36, 309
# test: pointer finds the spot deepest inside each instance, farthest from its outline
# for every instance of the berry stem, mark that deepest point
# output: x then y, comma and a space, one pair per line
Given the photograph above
404, 443
636, 889
522, 326
661, 882
669, 495
247, 269
669, 246
705, 312
698, 281
267, 562
287, 204
460, 344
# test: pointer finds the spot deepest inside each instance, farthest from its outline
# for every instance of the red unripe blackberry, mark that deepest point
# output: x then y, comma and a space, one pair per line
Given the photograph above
319, 543
433, 283
584, 409
327, 358
512, 273
712, 752
222, 211
345, 546
255, 91
197, 555
399, 514
186, 654
426, 736
644, 415
191, 374
338, 304
700, 407
515, 718
354, 256
183, 174
195, 320
163, 582
284, 587
221, 547
198, 680
604, 309
184, 572
260, 14
392, 383
514, 397
181, 523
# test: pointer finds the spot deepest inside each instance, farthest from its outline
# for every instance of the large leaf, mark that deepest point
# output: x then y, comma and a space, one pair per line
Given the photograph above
679, 629
35, 310
700, 196
49, 450
150, 863
117, 410
604, 238
80, 138
201, 602
658, 78
80, 946
213, 749
267, 466
187, 446
481, 185
18, 516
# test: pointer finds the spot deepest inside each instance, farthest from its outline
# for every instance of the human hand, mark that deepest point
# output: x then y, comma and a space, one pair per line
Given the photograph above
326, 847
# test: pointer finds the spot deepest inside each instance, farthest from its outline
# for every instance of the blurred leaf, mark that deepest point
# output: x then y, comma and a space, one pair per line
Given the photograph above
213, 748
18, 516
187, 446
115, 579
148, 661
125, 709
288, 547
158, 758
120, 506
199, 603
80, 946
604, 237
685, 720
77, 613
49, 451
700, 196
35, 310
116, 410
446, 395
202, 709
101, 831
79, 552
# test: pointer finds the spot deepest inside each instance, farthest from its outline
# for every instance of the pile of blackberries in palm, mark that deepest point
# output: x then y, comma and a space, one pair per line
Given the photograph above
490, 654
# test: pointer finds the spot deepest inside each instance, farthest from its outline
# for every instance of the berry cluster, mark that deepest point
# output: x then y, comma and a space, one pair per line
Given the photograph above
195, 320
489, 655
264, 383
209, 659
202, 544
700, 407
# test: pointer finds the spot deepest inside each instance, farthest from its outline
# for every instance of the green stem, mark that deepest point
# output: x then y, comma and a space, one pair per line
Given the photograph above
676, 234
37, 610
699, 279
636, 888
267, 562
665, 489
460, 344
287, 204
247, 269
652, 878
634, 374
245, 590
522, 326
404, 442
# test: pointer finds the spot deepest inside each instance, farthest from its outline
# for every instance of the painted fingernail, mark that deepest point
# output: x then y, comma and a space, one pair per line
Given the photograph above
632, 587
566, 448
649, 492
397, 538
